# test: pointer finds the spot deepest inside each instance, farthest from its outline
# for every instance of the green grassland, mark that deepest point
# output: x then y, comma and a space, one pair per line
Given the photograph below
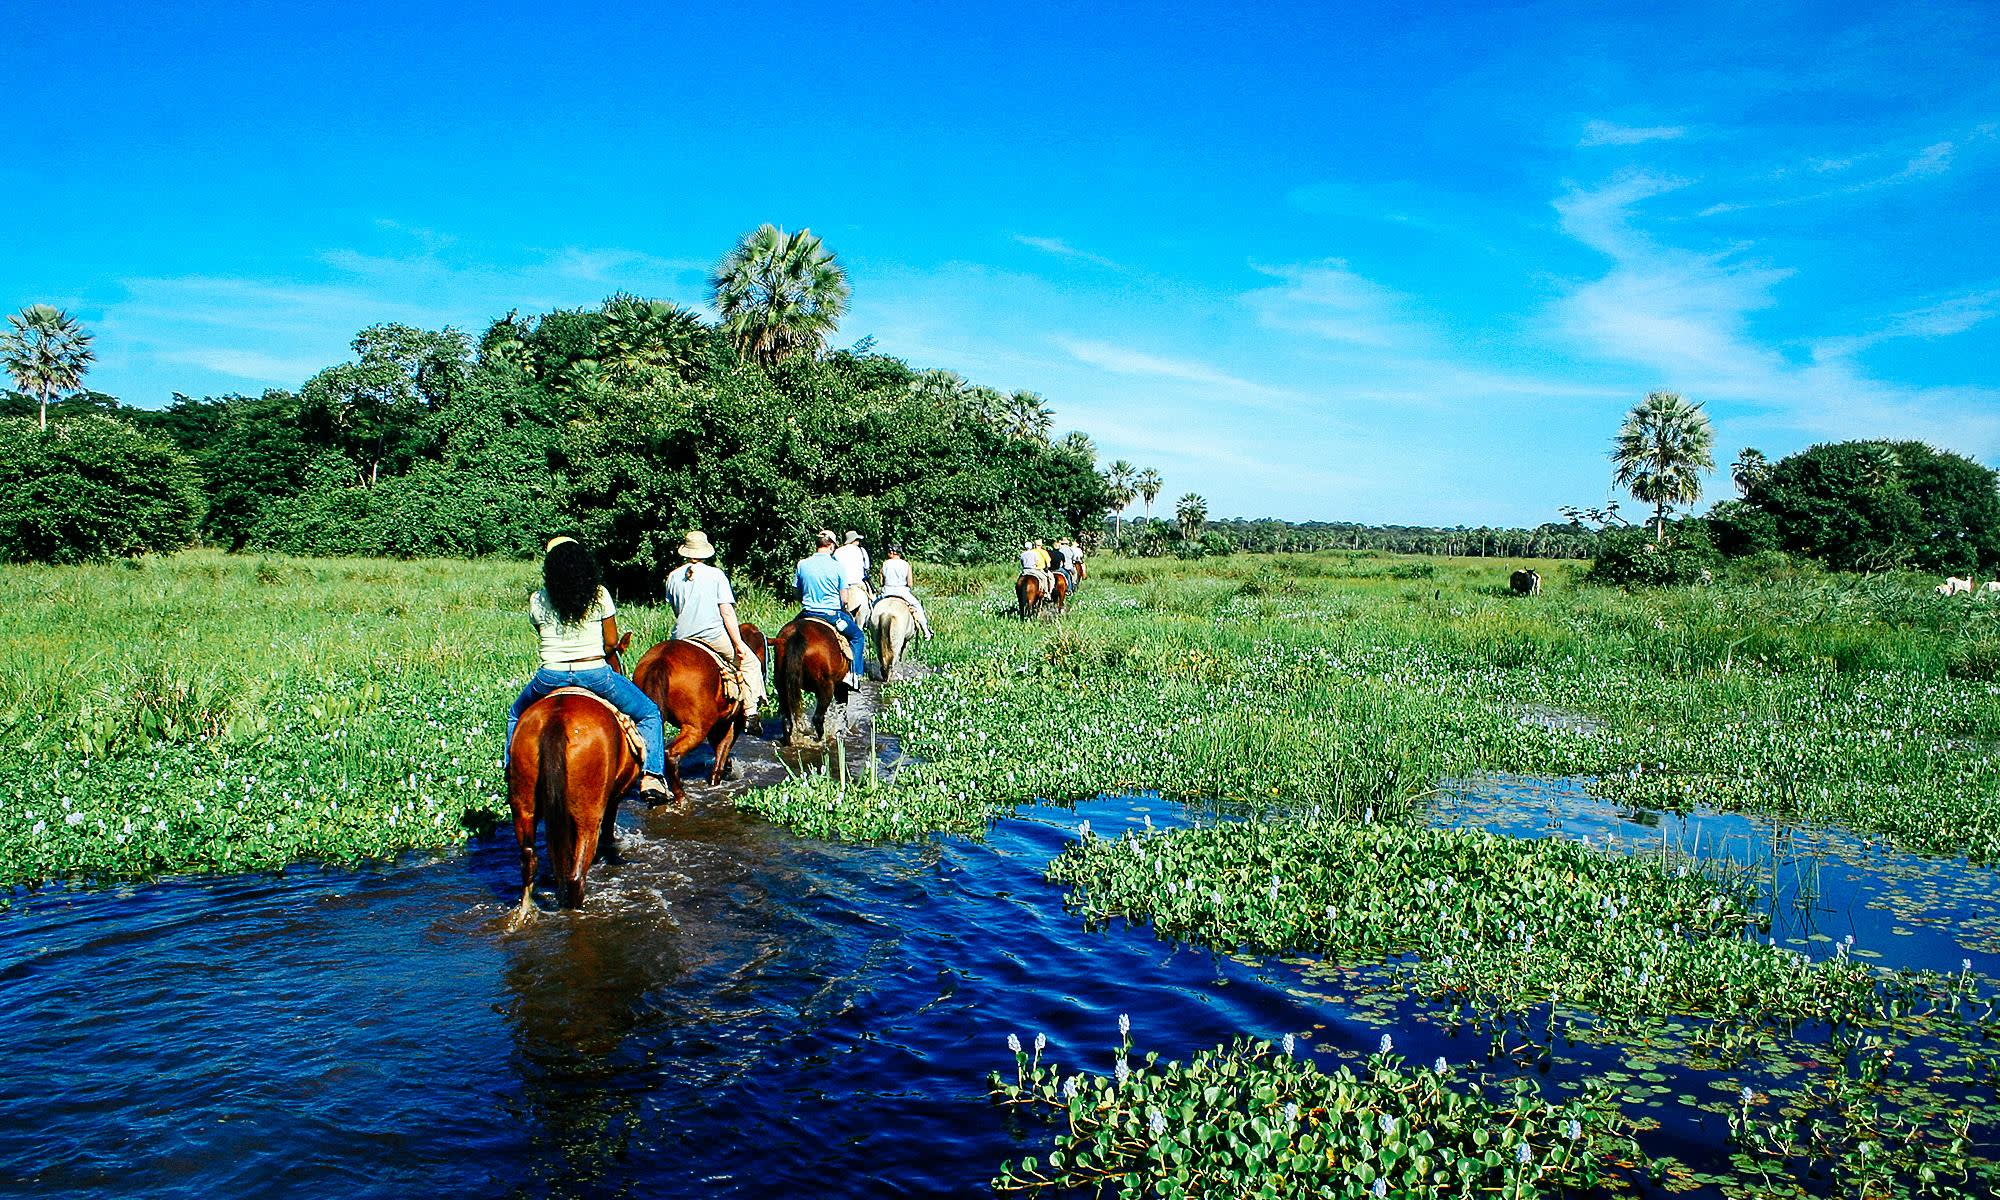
208, 712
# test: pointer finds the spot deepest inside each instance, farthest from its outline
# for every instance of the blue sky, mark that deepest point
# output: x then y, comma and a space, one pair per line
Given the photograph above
1383, 263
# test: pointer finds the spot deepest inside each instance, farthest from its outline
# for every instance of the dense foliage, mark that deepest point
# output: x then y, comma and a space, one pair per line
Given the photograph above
1655, 556
92, 487
1155, 538
630, 423
1875, 505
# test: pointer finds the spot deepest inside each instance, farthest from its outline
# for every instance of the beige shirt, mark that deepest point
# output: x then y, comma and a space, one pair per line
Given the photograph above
567, 647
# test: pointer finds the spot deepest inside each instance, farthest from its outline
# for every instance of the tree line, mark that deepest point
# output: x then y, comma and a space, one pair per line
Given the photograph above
626, 422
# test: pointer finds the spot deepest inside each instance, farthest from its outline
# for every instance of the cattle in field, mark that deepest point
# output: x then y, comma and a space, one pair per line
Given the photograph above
1954, 586
1526, 583
1991, 587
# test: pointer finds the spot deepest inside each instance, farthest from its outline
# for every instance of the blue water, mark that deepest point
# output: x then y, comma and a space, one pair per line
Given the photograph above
737, 1013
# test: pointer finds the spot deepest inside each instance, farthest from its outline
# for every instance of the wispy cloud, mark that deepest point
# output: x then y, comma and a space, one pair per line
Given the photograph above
1328, 300
1893, 167
1607, 133
1124, 361
1685, 316
1944, 318
1062, 249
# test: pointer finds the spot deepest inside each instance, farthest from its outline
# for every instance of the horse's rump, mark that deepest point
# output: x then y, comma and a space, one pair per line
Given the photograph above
626, 724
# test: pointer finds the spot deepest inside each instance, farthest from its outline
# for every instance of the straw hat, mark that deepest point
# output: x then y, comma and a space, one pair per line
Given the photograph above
696, 545
852, 537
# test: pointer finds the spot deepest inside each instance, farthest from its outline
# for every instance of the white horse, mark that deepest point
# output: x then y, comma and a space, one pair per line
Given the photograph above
1954, 586
892, 622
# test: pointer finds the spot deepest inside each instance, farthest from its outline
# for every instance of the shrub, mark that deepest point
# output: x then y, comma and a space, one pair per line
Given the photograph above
1739, 528
1632, 558
91, 488
1869, 506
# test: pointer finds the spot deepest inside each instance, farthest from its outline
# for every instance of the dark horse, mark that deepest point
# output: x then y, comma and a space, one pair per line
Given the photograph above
1028, 593
686, 683
812, 657
569, 764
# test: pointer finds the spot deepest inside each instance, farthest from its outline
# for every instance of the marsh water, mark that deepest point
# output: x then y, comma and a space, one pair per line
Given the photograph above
737, 1013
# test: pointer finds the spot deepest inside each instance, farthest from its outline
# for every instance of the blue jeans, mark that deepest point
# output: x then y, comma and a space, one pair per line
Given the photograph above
845, 622
614, 687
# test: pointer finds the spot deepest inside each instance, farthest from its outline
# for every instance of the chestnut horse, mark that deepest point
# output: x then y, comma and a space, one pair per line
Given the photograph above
686, 683
812, 657
569, 764
1028, 593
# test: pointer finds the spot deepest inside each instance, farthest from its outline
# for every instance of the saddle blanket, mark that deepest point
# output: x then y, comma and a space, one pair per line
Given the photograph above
631, 728
1046, 578
732, 678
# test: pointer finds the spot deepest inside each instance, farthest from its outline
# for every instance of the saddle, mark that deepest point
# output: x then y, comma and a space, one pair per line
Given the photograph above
1046, 578
826, 621
631, 728
732, 676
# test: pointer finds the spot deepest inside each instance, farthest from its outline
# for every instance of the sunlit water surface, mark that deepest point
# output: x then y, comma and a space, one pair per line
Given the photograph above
737, 1013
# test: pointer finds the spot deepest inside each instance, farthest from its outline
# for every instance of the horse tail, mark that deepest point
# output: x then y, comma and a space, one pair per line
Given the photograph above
1024, 594
791, 675
552, 800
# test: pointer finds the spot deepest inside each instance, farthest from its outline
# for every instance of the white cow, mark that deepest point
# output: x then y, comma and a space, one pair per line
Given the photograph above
1954, 586
1991, 587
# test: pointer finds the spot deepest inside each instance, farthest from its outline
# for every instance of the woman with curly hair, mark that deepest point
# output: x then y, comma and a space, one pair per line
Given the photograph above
577, 622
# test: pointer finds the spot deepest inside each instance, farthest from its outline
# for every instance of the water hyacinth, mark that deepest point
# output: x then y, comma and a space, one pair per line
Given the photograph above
1380, 1114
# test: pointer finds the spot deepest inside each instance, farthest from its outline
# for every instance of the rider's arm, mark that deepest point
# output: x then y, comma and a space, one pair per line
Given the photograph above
611, 645
734, 628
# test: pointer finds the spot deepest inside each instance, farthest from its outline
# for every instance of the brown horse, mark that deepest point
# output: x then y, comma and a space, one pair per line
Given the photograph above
686, 683
1028, 594
568, 765
812, 657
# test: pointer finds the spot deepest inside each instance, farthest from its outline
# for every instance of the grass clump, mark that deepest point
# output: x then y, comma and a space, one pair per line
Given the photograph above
1497, 924
1251, 1120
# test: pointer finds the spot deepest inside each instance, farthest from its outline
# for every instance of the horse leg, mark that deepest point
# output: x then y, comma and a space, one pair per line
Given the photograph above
607, 836
524, 833
722, 739
819, 712
687, 739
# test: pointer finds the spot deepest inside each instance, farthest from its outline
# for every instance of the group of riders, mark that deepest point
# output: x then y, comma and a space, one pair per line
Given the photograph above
1044, 563
576, 621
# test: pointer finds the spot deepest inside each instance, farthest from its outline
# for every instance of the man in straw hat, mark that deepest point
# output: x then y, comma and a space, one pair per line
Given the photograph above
818, 581
705, 612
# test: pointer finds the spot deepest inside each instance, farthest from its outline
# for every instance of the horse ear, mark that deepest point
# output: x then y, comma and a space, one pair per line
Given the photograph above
624, 643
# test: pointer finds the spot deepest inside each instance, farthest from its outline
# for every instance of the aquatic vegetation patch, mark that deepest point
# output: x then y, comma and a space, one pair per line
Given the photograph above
1493, 923
1250, 1119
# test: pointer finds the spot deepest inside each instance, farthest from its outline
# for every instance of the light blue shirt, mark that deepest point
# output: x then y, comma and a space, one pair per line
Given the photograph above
818, 582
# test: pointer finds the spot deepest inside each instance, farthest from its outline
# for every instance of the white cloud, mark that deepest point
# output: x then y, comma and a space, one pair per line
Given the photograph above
1685, 316
1606, 133
1123, 361
1328, 300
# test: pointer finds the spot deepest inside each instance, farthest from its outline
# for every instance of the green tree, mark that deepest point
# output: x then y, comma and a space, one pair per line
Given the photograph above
638, 335
1192, 513
1077, 442
90, 488
1873, 505
1148, 484
374, 407
47, 351
1749, 470
1028, 417
1660, 453
779, 294
1120, 482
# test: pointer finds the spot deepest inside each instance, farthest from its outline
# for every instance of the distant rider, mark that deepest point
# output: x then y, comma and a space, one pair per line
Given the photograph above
818, 582
899, 581
854, 566
576, 620
705, 612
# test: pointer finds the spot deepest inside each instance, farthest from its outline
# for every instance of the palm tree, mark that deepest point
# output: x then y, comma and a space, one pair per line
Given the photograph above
1192, 512
47, 352
779, 294
1149, 484
1119, 481
1077, 442
1661, 452
640, 333
1027, 416
1749, 470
